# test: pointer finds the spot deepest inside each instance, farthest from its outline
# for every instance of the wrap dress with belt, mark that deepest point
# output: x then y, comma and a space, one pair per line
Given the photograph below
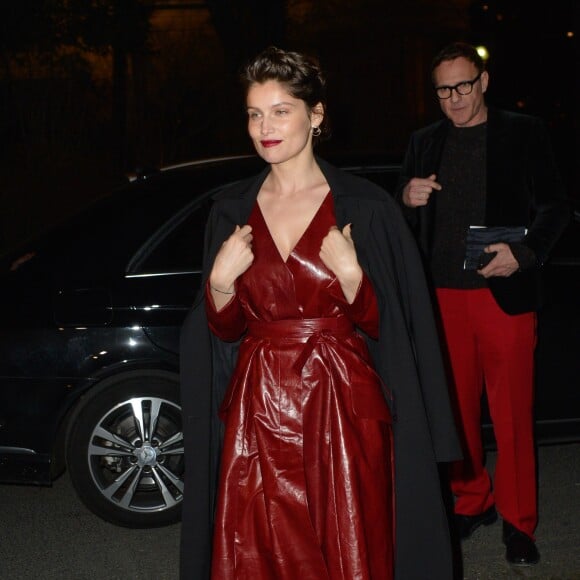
306, 484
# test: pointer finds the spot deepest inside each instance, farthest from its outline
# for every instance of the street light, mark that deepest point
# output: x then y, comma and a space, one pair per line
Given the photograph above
483, 52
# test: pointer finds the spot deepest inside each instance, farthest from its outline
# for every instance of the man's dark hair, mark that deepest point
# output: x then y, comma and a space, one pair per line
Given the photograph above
457, 50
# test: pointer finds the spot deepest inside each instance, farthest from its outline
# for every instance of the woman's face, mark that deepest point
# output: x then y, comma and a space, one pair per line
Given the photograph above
279, 124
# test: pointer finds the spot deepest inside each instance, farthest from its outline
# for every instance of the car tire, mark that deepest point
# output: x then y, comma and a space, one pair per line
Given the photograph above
124, 450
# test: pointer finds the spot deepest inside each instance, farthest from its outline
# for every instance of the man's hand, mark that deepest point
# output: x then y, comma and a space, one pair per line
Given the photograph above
418, 191
504, 264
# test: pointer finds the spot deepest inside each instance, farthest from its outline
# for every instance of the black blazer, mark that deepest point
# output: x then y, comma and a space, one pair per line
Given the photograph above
524, 187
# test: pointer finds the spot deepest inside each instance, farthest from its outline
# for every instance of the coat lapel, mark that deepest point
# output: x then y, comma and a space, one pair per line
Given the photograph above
242, 199
430, 161
345, 209
431, 156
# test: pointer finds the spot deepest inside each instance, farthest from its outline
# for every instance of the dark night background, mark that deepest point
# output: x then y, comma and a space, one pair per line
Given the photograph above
90, 90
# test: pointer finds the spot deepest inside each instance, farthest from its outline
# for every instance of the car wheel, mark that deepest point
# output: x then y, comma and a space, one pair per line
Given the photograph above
125, 450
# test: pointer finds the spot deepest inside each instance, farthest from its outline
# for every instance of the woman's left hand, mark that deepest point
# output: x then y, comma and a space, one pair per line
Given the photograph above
339, 255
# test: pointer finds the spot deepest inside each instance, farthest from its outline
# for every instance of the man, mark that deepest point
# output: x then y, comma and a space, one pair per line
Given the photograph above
485, 167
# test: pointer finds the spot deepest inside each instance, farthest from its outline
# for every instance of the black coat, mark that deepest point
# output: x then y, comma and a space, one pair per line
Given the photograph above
524, 188
407, 357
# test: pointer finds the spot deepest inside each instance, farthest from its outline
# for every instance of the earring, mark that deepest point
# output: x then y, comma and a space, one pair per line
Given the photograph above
316, 131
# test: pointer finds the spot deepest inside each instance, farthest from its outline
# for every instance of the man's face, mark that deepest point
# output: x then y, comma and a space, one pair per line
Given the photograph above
462, 110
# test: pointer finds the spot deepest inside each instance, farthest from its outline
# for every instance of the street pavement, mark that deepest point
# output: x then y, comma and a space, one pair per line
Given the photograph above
558, 531
47, 534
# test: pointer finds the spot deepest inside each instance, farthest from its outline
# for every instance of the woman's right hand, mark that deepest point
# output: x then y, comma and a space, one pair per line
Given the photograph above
233, 259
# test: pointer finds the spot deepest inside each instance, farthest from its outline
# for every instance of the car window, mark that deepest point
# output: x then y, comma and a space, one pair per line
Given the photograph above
178, 248
386, 176
104, 235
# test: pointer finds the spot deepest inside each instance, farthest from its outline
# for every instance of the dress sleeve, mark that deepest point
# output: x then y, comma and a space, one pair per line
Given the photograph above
364, 311
229, 323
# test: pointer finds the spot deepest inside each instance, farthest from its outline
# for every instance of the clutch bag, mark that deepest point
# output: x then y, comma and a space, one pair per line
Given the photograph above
478, 237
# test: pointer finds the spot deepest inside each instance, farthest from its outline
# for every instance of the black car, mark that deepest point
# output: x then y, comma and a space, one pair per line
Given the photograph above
89, 332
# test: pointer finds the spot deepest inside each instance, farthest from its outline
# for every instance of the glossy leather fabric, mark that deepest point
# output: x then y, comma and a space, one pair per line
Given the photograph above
305, 489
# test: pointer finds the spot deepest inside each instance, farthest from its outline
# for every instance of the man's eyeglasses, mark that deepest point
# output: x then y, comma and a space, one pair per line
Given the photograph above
463, 88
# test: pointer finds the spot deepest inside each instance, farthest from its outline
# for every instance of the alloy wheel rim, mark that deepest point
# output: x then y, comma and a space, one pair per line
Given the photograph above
135, 455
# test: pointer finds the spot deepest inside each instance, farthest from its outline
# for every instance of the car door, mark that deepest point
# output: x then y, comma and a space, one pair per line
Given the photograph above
26, 356
165, 274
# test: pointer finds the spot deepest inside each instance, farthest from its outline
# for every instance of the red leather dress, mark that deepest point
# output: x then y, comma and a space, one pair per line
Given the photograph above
305, 490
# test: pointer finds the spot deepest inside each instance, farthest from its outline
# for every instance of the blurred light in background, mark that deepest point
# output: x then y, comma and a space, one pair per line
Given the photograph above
483, 52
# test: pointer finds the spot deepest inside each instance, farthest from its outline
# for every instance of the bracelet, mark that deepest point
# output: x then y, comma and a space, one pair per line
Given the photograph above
221, 291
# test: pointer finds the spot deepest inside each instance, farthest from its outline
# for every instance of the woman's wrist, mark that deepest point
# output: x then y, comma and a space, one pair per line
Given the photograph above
221, 286
233, 291
350, 283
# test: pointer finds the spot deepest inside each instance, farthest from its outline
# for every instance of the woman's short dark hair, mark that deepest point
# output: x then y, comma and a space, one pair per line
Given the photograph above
301, 74
457, 50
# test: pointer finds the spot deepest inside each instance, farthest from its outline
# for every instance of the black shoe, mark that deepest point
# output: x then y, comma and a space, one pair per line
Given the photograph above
466, 525
520, 550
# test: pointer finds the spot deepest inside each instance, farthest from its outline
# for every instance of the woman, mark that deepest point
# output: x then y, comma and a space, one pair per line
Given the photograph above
315, 271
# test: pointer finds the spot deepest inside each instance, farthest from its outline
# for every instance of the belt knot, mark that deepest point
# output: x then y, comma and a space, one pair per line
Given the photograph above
314, 330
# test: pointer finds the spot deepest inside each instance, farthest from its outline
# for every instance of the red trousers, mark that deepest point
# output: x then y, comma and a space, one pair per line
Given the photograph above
489, 348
